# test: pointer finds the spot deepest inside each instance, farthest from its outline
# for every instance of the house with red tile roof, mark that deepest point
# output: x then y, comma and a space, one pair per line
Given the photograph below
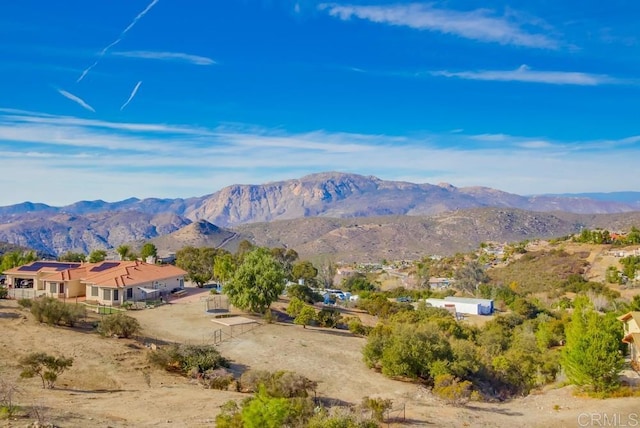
29, 279
110, 282
131, 281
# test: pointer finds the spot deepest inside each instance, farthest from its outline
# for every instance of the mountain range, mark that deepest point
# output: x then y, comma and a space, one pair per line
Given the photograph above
315, 213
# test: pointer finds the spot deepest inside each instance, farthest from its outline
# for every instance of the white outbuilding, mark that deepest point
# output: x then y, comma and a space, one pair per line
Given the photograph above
463, 305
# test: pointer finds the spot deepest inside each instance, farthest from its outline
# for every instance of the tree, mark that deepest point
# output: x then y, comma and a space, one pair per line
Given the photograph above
304, 270
124, 251
304, 293
45, 366
224, 267
286, 259
244, 247
357, 282
148, 250
295, 306
198, 262
70, 256
305, 317
470, 276
257, 282
97, 256
326, 272
591, 357
17, 258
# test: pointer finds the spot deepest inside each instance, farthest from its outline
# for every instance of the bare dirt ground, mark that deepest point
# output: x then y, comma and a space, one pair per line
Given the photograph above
111, 384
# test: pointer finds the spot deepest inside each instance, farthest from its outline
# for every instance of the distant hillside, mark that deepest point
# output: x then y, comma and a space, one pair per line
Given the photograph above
330, 194
332, 213
407, 237
58, 233
198, 234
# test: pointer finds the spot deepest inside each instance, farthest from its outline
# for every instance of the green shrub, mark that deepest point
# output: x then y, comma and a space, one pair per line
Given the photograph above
53, 311
277, 384
4, 292
356, 327
454, 391
217, 379
47, 367
25, 303
119, 325
377, 406
188, 359
328, 317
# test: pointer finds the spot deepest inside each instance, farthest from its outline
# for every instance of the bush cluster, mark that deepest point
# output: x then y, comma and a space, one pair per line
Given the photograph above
52, 311
118, 325
281, 384
190, 360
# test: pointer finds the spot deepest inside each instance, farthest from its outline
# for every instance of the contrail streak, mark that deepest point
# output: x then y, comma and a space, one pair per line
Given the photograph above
133, 94
116, 41
75, 99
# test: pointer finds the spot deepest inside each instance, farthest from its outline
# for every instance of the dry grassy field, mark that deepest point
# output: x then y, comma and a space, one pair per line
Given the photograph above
111, 383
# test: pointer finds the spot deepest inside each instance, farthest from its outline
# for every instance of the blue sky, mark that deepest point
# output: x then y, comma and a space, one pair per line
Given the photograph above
108, 99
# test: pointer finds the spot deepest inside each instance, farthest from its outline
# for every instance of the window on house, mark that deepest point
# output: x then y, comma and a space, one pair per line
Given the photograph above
115, 295
106, 294
129, 294
94, 292
53, 288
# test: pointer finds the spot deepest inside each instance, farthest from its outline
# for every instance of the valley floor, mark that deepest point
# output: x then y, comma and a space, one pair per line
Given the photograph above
111, 384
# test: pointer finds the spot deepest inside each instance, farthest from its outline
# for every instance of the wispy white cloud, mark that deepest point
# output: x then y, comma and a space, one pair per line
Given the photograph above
75, 99
481, 24
133, 94
202, 160
104, 51
526, 74
166, 56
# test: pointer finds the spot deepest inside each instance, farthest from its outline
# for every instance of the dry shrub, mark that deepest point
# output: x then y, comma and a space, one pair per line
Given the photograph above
452, 390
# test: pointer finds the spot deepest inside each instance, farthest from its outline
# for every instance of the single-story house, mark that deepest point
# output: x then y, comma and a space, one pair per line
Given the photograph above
30, 277
131, 281
110, 282
631, 322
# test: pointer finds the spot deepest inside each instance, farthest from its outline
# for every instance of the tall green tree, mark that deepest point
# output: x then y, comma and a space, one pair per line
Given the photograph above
97, 256
17, 258
257, 282
224, 267
148, 250
124, 251
198, 262
304, 270
592, 357
286, 257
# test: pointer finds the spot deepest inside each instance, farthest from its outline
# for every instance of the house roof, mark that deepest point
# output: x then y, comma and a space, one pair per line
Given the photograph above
80, 272
469, 300
629, 315
41, 266
127, 274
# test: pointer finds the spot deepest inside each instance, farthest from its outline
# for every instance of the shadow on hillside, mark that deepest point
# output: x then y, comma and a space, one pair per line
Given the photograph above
10, 315
237, 369
92, 391
505, 412
331, 331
